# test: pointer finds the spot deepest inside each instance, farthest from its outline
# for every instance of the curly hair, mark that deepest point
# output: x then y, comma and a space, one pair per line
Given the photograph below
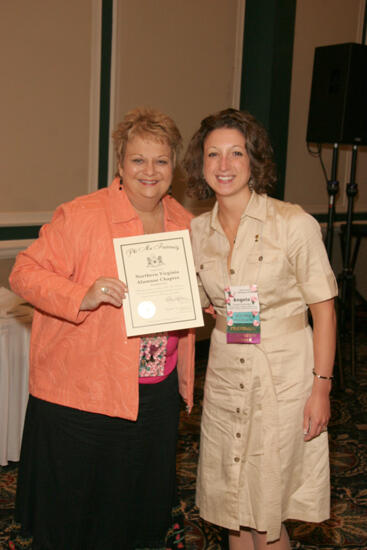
258, 147
150, 123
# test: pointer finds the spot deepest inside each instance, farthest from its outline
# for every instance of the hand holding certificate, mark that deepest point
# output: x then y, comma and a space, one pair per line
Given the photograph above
161, 279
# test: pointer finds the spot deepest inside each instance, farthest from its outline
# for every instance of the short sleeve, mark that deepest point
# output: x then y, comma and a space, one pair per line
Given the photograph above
307, 254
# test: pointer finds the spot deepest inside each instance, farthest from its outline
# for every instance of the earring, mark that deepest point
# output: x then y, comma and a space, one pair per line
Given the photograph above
251, 184
120, 184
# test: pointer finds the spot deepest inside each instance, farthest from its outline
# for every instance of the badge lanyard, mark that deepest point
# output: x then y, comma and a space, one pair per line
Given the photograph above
243, 307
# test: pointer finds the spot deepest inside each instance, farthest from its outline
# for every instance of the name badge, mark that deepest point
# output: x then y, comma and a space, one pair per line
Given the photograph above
243, 314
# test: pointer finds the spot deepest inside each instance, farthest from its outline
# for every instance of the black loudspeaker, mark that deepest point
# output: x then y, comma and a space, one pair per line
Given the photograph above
338, 105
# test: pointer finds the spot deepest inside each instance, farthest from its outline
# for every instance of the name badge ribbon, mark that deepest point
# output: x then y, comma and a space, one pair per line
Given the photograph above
243, 314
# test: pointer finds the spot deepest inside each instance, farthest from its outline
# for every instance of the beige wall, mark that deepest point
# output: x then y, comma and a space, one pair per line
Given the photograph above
50, 57
169, 54
182, 57
46, 68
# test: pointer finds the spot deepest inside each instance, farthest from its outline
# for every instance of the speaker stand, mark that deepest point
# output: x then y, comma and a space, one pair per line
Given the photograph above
347, 278
332, 189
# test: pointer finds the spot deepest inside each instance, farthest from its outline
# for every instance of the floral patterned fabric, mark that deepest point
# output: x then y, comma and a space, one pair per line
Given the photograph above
153, 351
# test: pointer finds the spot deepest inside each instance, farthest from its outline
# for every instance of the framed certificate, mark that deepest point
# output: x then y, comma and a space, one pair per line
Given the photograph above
160, 275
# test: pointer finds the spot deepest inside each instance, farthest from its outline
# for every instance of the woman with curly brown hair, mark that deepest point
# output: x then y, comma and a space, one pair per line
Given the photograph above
261, 264
98, 460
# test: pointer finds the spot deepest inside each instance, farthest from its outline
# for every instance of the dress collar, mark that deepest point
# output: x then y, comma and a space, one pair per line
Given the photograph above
256, 208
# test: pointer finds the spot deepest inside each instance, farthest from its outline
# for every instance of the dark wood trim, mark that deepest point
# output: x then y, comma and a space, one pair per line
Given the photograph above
341, 217
16, 233
105, 92
267, 70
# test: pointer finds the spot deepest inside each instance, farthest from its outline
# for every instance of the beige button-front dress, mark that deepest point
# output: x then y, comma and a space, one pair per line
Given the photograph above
255, 469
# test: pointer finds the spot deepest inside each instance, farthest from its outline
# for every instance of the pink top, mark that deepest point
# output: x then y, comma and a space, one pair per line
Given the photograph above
171, 360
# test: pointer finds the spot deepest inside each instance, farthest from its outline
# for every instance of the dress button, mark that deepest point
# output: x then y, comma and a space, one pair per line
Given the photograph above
260, 258
238, 410
238, 435
236, 458
201, 266
242, 360
241, 386
232, 272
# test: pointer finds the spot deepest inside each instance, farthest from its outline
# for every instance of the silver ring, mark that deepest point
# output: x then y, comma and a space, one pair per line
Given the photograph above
105, 290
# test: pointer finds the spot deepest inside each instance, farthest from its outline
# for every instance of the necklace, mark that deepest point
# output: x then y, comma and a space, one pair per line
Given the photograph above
230, 229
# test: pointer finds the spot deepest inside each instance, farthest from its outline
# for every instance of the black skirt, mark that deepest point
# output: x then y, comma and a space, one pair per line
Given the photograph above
92, 482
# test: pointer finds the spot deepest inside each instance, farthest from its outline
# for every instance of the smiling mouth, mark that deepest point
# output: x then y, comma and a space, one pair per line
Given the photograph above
149, 182
225, 179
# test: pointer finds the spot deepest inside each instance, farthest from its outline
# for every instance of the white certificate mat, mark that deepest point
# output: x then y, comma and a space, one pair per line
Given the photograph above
160, 275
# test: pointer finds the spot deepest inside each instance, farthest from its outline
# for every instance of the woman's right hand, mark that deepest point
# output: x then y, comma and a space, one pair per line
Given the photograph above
104, 290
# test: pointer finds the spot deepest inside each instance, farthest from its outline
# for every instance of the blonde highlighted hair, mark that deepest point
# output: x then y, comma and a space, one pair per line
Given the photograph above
147, 123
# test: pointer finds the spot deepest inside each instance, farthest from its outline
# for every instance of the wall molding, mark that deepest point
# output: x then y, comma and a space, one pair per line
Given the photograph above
9, 249
22, 219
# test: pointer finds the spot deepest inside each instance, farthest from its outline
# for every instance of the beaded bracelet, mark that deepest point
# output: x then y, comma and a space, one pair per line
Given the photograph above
321, 377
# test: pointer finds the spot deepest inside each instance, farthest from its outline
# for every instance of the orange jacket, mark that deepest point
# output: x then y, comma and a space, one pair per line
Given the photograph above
84, 359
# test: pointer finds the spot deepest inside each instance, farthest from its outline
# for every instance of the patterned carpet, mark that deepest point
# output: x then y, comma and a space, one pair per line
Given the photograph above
347, 528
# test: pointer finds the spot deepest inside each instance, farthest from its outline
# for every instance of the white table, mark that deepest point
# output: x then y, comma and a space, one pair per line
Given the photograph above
14, 357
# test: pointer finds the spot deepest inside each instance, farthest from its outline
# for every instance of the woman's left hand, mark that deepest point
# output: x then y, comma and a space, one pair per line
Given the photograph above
316, 413
317, 409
